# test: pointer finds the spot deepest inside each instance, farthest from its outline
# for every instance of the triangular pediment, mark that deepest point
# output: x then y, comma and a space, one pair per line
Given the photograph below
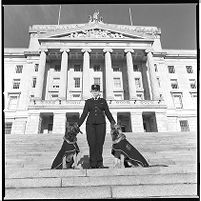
95, 32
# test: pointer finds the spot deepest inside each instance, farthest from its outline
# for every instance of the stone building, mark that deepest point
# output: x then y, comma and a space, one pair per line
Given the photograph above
148, 89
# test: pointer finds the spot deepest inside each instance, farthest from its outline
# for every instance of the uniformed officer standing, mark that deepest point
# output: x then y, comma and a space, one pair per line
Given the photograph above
96, 125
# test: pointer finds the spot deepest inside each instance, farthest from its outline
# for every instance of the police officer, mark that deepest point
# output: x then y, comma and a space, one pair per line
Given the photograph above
96, 107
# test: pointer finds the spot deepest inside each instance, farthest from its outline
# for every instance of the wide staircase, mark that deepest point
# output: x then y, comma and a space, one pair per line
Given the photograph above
28, 159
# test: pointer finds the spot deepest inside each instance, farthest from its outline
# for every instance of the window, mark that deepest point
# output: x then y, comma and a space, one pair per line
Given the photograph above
76, 96
171, 69
19, 68
194, 98
174, 84
16, 83
97, 80
118, 96
137, 83
8, 127
192, 84
97, 68
34, 82
55, 83
155, 67
13, 100
158, 82
117, 82
54, 95
136, 68
57, 68
184, 126
177, 101
36, 67
116, 68
140, 96
77, 68
77, 82
189, 69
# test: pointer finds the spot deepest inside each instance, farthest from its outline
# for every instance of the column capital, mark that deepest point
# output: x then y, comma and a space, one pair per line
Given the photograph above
43, 49
105, 50
129, 50
148, 50
64, 50
86, 50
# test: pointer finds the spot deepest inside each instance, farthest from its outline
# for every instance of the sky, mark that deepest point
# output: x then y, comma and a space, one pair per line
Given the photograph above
177, 21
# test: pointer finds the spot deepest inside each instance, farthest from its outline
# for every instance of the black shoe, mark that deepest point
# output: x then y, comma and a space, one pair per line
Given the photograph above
102, 166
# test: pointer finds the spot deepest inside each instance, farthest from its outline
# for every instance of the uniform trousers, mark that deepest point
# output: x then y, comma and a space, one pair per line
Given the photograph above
96, 138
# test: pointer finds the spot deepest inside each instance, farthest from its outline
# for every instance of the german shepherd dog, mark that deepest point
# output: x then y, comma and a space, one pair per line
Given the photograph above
125, 154
67, 157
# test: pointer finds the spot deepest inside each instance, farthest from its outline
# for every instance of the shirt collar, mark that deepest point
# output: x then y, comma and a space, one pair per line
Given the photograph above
96, 98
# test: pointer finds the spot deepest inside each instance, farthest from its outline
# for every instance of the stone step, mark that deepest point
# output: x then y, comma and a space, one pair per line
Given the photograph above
102, 181
188, 168
101, 192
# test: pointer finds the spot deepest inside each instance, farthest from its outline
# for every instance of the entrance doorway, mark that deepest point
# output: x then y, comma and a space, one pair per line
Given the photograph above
149, 122
46, 123
124, 118
72, 117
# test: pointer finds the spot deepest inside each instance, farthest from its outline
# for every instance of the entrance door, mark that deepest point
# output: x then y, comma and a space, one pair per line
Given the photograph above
184, 126
149, 122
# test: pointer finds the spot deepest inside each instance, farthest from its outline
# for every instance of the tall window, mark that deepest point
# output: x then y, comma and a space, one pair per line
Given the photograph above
118, 96
137, 83
8, 127
13, 100
136, 68
189, 69
55, 83
77, 68
36, 67
19, 68
156, 68
97, 80
97, 68
184, 126
174, 84
171, 69
34, 82
117, 83
159, 84
16, 83
77, 82
192, 83
57, 68
177, 101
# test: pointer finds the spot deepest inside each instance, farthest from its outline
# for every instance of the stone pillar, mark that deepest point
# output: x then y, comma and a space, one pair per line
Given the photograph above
33, 124
59, 122
137, 122
63, 74
153, 79
86, 87
19, 126
130, 75
161, 121
41, 73
108, 74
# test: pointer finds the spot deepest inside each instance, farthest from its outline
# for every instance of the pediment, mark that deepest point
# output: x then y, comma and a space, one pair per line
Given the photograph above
95, 33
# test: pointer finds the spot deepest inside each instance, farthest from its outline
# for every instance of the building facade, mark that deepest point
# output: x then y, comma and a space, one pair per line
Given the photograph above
148, 89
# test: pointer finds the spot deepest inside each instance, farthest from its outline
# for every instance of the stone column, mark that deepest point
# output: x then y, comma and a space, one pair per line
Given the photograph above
86, 87
161, 121
63, 74
108, 74
41, 73
153, 79
130, 75
59, 123
33, 124
137, 122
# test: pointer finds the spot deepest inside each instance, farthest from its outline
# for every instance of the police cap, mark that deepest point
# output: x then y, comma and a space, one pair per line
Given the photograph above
95, 87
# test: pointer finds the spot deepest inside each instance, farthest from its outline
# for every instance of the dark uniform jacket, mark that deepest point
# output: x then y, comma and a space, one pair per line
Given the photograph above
97, 110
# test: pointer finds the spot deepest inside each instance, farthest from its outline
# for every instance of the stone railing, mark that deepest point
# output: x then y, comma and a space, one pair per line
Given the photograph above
35, 103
